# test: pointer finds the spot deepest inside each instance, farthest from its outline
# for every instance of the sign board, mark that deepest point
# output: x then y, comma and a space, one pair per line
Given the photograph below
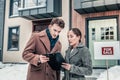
107, 50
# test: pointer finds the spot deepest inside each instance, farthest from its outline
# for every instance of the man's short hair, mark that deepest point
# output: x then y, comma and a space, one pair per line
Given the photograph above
58, 21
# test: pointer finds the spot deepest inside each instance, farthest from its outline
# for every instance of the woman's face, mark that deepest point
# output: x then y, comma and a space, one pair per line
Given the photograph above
73, 39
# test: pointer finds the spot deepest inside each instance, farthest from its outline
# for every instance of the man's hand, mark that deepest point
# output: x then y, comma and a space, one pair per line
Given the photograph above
43, 59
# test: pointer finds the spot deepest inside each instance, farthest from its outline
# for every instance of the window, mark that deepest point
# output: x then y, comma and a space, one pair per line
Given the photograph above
13, 38
14, 5
107, 33
93, 34
34, 3
88, 0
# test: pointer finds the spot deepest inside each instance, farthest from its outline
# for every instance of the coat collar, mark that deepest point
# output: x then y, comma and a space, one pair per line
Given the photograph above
46, 42
75, 50
80, 45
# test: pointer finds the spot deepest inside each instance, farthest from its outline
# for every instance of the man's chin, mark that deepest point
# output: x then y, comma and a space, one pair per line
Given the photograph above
54, 37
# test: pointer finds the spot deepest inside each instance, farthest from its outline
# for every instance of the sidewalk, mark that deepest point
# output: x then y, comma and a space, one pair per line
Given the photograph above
95, 74
13, 70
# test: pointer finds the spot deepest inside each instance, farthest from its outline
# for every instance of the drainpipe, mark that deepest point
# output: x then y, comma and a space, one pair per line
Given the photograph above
1, 49
70, 14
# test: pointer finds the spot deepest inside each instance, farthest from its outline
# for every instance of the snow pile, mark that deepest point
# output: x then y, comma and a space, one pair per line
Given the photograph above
13, 71
19, 72
1, 65
113, 73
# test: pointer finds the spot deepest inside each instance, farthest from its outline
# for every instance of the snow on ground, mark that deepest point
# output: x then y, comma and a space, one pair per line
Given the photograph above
19, 72
13, 71
113, 74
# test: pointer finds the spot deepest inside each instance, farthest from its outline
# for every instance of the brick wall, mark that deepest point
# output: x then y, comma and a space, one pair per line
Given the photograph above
78, 20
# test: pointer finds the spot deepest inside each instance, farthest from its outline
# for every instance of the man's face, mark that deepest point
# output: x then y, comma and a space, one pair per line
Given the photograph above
55, 30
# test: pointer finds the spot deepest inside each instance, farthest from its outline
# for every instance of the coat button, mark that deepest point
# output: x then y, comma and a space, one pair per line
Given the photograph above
47, 74
53, 76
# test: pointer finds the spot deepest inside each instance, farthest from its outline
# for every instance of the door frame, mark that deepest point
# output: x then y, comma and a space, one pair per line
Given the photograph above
40, 22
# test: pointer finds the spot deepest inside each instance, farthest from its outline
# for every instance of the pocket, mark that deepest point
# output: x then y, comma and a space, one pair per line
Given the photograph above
35, 68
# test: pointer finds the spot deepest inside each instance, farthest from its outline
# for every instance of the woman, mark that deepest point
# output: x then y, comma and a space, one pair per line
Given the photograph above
78, 58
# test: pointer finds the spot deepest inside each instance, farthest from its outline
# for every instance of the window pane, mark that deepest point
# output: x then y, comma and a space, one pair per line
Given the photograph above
13, 38
34, 3
93, 34
107, 33
42, 3
15, 4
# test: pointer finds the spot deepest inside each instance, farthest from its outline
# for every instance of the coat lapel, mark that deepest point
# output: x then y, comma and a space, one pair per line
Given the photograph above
45, 40
73, 53
67, 55
56, 47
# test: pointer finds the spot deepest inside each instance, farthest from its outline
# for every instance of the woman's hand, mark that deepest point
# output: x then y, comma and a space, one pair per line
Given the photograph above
66, 66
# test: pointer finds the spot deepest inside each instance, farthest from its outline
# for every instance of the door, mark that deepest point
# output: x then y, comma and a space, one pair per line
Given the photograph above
102, 30
40, 25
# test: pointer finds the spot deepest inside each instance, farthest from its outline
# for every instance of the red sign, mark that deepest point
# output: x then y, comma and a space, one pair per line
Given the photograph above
107, 50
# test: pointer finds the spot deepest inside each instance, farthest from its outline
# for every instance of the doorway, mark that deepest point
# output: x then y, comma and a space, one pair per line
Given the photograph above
102, 30
40, 25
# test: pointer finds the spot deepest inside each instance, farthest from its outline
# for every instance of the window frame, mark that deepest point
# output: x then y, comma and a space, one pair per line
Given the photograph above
11, 9
9, 48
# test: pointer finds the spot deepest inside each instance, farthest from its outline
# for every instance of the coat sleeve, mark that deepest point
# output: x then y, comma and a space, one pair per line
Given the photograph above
86, 68
29, 51
58, 72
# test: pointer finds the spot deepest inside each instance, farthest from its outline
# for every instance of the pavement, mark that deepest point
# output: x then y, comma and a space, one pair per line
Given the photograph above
22, 68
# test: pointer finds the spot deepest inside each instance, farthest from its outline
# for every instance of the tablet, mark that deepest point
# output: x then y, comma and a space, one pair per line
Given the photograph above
55, 60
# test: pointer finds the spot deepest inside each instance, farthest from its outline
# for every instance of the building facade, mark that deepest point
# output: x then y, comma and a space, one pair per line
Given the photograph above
22, 17
98, 20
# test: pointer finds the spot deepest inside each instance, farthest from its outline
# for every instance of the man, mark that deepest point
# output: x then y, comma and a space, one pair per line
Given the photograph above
42, 43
